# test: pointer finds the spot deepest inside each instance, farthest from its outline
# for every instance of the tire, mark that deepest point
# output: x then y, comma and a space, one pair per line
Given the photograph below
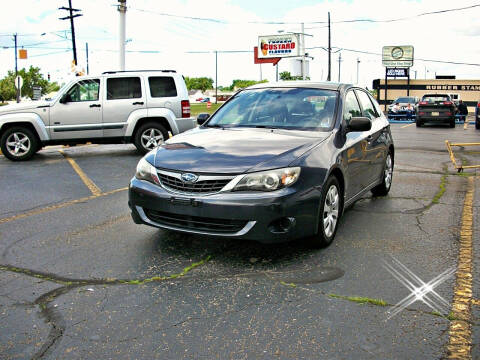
331, 194
477, 125
149, 136
452, 123
419, 123
384, 187
19, 143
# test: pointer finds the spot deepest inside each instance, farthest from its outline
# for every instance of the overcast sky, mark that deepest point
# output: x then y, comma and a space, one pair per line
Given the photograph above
157, 40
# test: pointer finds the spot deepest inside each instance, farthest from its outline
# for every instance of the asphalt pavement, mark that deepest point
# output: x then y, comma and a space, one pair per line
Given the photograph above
80, 280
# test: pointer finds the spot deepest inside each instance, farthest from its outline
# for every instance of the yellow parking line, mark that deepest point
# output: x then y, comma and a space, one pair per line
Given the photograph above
460, 332
404, 126
58, 206
86, 180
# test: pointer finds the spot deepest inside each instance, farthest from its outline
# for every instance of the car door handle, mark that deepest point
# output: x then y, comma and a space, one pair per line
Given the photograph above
138, 103
95, 105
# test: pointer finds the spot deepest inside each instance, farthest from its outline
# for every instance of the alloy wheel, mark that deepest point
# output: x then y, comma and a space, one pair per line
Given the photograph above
151, 138
388, 171
18, 144
330, 210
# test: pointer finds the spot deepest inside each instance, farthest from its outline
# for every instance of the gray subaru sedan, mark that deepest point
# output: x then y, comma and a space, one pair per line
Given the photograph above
276, 162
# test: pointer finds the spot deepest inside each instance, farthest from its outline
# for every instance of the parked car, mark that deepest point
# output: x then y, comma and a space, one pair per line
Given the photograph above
116, 107
477, 116
402, 103
276, 162
436, 108
207, 99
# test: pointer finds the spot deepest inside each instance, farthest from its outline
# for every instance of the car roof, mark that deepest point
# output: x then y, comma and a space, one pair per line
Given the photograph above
302, 84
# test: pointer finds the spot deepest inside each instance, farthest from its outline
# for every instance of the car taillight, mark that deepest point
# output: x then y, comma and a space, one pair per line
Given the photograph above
421, 113
185, 108
448, 113
447, 103
478, 105
423, 103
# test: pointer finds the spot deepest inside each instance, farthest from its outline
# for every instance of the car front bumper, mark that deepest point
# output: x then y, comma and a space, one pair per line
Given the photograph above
267, 217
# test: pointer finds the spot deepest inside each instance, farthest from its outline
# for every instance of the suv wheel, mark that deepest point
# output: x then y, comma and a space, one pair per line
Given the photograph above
477, 124
18, 143
149, 136
452, 123
419, 122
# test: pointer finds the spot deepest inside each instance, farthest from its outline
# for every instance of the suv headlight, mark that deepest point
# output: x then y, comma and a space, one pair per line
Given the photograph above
146, 171
268, 180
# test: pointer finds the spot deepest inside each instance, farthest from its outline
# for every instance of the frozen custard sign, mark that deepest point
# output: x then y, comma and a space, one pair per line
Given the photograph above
285, 45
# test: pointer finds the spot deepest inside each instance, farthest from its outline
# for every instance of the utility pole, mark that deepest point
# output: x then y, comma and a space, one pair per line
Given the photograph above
339, 62
329, 76
16, 68
216, 76
72, 26
86, 50
122, 9
302, 49
358, 64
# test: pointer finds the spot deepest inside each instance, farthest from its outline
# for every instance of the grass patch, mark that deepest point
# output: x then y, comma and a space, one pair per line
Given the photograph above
196, 109
441, 190
360, 299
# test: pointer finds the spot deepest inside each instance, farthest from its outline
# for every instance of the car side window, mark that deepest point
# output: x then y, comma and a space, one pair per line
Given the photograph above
351, 107
367, 106
84, 90
124, 88
162, 86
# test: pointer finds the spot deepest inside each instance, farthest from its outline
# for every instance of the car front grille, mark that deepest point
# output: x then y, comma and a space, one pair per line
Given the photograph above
196, 223
205, 184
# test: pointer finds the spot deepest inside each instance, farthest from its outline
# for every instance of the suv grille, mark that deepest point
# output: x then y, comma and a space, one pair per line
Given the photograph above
202, 186
224, 226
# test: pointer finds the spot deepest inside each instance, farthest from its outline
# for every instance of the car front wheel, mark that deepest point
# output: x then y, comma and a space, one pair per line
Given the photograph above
384, 187
149, 136
331, 206
18, 143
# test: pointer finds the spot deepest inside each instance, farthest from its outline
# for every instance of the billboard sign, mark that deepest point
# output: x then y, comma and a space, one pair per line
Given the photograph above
278, 46
397, 56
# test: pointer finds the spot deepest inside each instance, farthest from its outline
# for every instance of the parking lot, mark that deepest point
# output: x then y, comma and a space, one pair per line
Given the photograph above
79, 279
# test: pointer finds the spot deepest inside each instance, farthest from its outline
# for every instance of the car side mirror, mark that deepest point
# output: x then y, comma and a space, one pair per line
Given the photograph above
65, 99
359, 124
202, 118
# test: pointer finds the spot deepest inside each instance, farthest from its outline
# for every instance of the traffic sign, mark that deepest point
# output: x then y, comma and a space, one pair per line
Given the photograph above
18, 82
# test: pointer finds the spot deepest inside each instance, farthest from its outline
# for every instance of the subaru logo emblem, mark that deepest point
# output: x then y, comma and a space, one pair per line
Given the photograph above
189, 178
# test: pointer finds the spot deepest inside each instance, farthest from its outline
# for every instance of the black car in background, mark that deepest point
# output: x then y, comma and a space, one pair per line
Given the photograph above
436, 108
276, 162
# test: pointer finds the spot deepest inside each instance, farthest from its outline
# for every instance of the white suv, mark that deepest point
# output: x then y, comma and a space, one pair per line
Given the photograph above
116, 107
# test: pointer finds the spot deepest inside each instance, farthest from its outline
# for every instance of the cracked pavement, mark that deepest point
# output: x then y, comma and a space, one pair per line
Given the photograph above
84, 282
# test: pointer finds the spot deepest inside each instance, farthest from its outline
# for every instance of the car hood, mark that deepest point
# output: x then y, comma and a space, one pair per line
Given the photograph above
20, 107
234, 151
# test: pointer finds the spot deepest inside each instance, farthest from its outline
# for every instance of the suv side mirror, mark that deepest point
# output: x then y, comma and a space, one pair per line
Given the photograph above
65, 99
202, 118
359, 124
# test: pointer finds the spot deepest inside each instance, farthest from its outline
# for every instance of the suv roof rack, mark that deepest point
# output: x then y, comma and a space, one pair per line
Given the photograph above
126, 71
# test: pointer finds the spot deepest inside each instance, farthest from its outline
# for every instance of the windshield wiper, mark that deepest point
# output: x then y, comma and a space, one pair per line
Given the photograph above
215, 126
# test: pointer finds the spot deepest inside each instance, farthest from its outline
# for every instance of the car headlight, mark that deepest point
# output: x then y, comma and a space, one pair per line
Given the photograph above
146, 171
268, 180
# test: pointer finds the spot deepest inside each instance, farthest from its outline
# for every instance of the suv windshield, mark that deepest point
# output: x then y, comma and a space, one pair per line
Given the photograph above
285, 108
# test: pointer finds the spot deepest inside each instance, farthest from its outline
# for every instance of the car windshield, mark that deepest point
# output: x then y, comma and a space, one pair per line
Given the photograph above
436, 98
405, 100
285, 108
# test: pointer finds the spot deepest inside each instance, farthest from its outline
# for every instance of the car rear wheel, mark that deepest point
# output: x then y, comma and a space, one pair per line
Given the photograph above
477, 124
419, 123
18, 143
331, 206
452, 123
384, 187
149, 136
